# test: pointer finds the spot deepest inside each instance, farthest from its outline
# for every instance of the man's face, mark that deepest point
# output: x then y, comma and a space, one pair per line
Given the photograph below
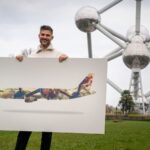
45, 37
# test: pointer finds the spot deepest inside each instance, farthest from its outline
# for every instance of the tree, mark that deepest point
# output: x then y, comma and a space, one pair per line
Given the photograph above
109, 109
26, 52
126, 102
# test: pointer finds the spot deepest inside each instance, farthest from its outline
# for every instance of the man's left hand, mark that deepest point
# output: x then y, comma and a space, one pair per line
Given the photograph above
62, 58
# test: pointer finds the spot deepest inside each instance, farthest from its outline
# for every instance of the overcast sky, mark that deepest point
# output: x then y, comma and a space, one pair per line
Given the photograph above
20, 21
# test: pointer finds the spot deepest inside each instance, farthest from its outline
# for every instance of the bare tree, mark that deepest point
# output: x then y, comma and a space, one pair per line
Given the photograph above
26, 52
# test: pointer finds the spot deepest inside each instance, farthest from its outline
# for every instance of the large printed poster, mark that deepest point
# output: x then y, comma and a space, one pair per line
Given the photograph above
44, 95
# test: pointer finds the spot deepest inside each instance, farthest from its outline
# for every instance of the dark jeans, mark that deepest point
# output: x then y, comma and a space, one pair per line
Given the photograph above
24, 136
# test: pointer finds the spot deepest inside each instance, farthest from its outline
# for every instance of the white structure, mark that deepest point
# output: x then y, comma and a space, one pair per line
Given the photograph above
133, 47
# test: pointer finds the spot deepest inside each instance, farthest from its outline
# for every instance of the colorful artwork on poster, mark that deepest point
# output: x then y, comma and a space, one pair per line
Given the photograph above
31, 94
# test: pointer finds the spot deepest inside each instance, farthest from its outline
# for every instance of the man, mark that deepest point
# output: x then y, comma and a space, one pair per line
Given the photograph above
19, 94
45, 50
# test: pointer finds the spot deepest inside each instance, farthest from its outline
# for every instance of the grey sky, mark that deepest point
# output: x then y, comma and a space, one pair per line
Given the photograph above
20, 21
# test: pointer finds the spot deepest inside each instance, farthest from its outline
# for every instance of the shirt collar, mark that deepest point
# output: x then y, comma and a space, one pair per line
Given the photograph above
49, 48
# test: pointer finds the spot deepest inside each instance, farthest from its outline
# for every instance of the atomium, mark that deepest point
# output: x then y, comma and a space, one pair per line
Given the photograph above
134, 47
144, 33
85, 17
136, 55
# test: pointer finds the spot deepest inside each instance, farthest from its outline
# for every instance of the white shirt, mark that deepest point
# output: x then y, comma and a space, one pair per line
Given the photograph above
49, 52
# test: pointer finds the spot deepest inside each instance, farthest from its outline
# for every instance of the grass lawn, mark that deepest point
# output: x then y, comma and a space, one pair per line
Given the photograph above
126, 135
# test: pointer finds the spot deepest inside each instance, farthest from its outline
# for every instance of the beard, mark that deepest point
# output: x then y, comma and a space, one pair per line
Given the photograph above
44, 43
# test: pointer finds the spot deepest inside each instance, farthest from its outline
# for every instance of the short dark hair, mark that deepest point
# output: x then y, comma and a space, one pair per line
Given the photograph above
46, 27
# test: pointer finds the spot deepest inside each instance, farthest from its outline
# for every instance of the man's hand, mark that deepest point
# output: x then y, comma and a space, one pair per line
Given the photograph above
19, 58
62, 58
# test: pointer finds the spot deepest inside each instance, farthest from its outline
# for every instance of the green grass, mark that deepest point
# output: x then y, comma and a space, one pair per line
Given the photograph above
126, 135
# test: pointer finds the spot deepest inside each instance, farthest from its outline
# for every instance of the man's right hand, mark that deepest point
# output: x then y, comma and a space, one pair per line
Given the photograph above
19, 58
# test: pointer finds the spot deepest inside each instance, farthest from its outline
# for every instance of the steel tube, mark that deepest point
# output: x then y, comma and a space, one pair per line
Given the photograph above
115, 2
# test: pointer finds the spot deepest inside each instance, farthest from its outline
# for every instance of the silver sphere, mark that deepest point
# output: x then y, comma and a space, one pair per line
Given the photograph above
85, 17
136, 55
144, 33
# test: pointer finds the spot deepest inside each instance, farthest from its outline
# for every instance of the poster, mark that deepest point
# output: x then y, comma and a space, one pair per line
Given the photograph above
44, 95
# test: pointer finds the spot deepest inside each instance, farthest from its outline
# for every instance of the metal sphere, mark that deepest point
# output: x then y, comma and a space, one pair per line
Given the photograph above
144, 33
85, 17
136, 55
